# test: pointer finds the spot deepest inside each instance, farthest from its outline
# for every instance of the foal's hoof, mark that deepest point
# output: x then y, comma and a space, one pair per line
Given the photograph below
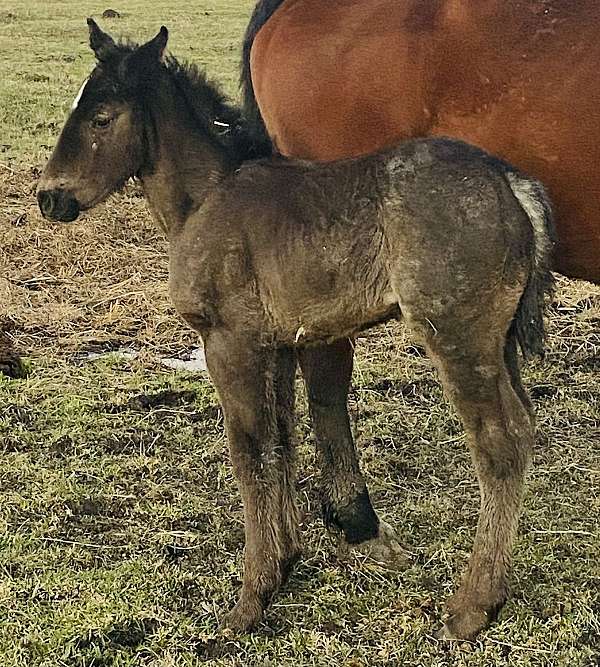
244, 617
385, 549
466, 618
465, 625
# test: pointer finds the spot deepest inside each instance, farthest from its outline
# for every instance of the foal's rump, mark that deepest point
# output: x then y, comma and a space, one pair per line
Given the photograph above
470, 237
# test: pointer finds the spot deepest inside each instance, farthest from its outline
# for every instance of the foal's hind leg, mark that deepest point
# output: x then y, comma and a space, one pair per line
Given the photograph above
256, 388
499, 431
327, 372
478, 368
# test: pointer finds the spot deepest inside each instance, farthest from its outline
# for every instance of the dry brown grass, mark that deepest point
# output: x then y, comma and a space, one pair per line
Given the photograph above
98, 284
101, 283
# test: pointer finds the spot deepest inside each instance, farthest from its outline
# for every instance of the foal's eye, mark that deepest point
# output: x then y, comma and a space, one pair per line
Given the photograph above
101, 122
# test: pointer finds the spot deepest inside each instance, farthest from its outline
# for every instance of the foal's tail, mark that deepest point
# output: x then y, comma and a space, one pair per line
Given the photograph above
528, 324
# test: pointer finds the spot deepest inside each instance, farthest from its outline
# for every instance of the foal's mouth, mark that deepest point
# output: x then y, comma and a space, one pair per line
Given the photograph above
61, 206
58, 205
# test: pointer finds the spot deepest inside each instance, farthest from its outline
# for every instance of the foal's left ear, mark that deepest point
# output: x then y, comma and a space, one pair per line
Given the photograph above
154, 50
142, 65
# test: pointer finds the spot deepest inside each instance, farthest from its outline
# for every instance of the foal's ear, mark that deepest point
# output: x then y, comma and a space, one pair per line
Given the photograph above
142, 65
102, 44
154, 50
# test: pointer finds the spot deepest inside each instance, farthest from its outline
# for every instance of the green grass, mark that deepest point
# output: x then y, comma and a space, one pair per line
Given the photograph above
121, 528
44, 56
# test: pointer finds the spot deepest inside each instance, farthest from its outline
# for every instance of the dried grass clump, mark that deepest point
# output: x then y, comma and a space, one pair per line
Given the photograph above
99, 283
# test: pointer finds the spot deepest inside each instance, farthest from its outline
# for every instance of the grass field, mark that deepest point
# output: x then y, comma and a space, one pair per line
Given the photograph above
121, 529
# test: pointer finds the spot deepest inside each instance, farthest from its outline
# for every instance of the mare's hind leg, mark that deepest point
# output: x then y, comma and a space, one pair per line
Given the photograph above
478, 368
256, 388
346, 504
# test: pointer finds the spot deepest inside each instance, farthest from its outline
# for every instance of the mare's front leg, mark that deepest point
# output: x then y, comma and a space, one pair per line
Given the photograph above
256, 388
327, 371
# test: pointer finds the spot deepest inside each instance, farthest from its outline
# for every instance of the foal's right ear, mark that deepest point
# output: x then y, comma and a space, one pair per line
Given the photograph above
102, 44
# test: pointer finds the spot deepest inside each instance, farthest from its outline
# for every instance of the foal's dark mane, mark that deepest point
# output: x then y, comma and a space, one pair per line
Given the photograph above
218, 118
215, 115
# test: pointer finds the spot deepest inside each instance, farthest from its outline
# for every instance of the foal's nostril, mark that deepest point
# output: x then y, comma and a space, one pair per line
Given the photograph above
58, 205
46, 202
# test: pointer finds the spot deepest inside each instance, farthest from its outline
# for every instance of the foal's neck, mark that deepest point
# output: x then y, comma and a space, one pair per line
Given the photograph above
185, 163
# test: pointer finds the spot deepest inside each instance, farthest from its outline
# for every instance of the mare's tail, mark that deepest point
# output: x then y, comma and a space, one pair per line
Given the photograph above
528, 324
262, 13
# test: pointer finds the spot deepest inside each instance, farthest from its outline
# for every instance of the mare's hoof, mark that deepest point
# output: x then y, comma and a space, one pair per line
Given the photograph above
385, 549
244, 617
465, 625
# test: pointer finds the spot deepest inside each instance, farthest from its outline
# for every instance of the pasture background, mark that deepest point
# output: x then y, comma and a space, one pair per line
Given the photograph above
121, 528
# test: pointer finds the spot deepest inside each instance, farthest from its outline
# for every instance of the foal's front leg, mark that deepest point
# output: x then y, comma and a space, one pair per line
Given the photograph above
256, 388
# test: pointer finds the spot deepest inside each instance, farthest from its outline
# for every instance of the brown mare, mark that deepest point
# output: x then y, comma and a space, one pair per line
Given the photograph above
269, 258
519, 78
343, 78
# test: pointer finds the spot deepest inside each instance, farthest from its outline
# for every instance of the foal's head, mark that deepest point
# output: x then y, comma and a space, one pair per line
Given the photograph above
102, 143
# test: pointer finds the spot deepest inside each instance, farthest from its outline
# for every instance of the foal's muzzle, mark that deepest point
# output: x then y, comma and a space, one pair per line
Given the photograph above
59, 205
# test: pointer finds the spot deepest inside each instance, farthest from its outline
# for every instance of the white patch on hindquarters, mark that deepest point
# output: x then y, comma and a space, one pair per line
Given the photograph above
79, 95
534, 200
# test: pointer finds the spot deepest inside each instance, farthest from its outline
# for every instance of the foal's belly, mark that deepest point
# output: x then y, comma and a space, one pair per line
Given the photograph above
311, 301
329, 321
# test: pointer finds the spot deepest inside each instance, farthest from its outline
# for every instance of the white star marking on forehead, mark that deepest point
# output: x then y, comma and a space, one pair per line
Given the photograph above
79, 94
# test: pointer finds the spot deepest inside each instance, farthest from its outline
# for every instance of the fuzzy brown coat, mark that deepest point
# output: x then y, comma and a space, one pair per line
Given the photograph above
270, 258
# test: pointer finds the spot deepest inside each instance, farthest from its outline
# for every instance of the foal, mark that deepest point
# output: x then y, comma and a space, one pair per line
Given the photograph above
270, 257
